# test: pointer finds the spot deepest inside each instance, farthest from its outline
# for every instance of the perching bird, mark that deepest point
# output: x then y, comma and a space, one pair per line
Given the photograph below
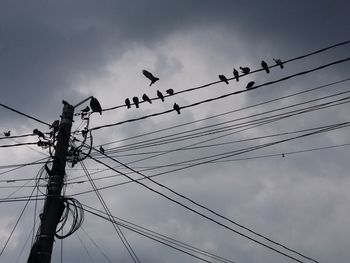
7, 134
95, 105
146, 98
176, 108
39, 133
86, 109
150, 76
250, 85
127, 103
245, 70
160, 95
223, 78
279, 62
55, 125
236, 74
136, 101
102, 150
265, 66
170, 91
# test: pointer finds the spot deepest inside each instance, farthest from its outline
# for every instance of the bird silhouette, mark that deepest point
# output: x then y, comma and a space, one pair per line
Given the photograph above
250, 85
86, 109
102, 150
39, 133
236, 74
160, 95
136, 101
55, 125
176, 108
170, 91
7, 134
265, 66
146, 98
223, 78
127, 103
279, 62
150, 76
245, 70
95, 105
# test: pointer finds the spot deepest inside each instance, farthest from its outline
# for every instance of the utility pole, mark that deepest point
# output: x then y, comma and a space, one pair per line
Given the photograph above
53, 206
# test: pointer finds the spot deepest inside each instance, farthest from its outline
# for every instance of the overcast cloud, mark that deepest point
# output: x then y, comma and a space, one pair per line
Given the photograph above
55, 50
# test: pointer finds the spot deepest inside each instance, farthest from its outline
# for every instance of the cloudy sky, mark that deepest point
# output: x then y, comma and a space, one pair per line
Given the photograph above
292, 192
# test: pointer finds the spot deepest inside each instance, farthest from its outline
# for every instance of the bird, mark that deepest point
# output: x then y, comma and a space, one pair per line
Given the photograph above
39, 133
95, 105
250, 85
136, 101
146, 98
7, 134
176, 108
86, 109
127, 103
55, 125
223, 78
150, 76
102, 150
283, 155
170, 91
160, 95
265, 66
279, 62
245, 70
236, 74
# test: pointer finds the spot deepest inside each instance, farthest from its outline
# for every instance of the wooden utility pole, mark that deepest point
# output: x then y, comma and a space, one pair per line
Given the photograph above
53, 206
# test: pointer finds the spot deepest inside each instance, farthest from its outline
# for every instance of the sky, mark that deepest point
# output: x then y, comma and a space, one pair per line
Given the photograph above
69, 50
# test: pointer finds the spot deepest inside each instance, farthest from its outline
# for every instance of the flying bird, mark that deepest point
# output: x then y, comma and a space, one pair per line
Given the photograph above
250, 85
265, 66
7, 134
245, 70
223, 78
279, 62
39, 133
95, 105
236, 74
170, 91
102, 150
55, 125
86, 109
160, 95
150, 76
146, 98
127, 103
136, 101
176, 108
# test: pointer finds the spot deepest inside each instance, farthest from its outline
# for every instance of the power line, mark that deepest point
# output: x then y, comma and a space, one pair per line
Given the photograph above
23, 114
18, 144
242, 75
222, 96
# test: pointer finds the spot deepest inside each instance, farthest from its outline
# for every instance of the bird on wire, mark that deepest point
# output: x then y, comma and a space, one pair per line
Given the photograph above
39, 133
7, 134
176, 107
223, 78
102, 150
136, 101
127, 103
150, 76
146, 98
245, 70
160, 95
236, 74
250, 85
265, 66
279, 62
95, 105
170, 91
